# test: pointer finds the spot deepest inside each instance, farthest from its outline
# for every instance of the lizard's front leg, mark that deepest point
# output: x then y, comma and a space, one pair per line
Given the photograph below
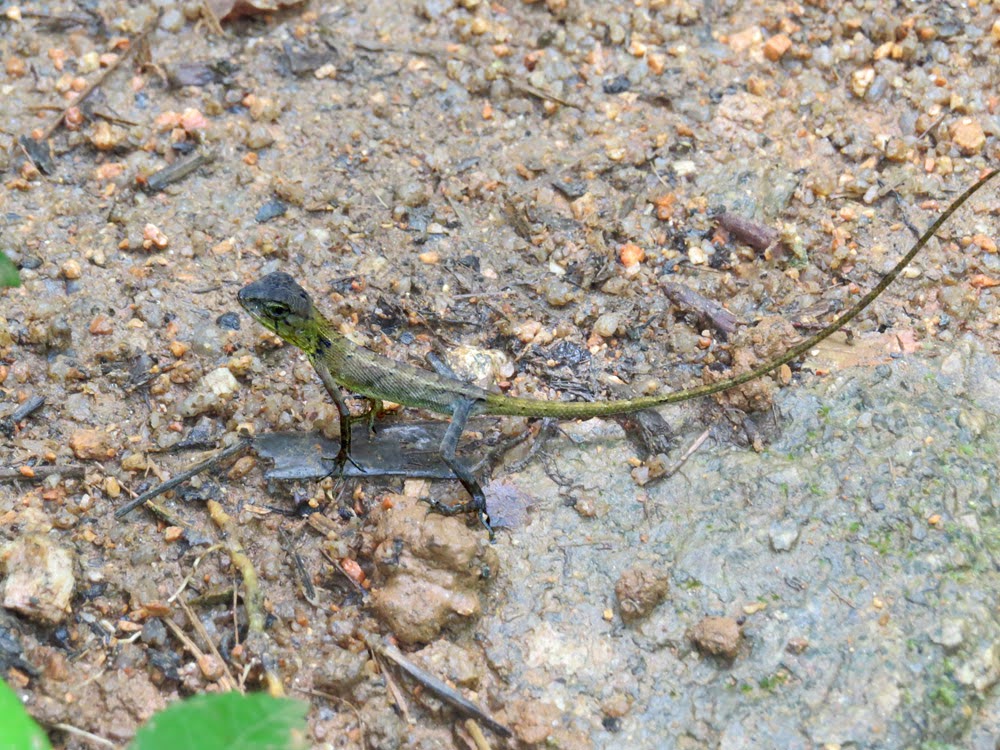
344, 453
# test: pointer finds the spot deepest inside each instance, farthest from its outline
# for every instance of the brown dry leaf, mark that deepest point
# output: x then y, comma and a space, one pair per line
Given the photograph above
227, 10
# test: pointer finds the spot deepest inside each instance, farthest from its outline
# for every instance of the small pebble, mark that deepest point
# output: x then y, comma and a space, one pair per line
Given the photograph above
15, 67
607, 325
861, 80
617, 85
697, 255
92, 445
39, 580
192, 119
717, 636
783, 535
172, 533
211, 393
243, 466
228, 321
106, 136
172, 20
950, 635
101, 325
262, 108
71, 269
112, 488
796, 645
153, 238
968, 135
776, 47
413, 193
270, 210
258, 136
328, 70
631, 255
134, 462
640, 590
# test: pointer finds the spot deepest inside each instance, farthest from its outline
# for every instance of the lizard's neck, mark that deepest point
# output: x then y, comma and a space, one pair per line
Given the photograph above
322, 340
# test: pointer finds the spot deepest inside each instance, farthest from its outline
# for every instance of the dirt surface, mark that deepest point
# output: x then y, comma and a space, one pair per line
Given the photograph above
509, 183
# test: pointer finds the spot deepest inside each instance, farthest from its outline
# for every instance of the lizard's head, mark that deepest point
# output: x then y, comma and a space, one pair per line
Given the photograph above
282, 306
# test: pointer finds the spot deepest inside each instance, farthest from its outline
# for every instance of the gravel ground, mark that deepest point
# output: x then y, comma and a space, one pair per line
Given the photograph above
507, 185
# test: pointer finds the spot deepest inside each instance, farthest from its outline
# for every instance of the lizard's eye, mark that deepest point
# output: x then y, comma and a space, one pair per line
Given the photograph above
276, 309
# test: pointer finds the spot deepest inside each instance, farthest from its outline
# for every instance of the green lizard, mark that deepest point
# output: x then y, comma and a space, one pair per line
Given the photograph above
284, 307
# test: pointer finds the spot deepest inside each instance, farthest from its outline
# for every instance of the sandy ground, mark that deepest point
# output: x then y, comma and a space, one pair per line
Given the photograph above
507, 185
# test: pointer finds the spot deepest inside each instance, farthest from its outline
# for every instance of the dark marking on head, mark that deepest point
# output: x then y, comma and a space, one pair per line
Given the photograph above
277, 288
281, 305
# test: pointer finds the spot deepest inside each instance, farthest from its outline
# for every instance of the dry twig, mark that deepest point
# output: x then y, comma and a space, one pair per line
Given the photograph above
253, 598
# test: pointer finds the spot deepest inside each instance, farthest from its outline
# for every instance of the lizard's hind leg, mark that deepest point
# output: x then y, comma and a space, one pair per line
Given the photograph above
449, 444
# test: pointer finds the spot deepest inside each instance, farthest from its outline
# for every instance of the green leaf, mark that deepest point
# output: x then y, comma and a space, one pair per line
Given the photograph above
18, 731
226, 721
8, 272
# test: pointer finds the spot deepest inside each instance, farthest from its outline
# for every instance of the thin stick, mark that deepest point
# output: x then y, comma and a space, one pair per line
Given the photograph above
308, 590
228, 681
208, 463
437, 55
211, 19
178, 171
22, 412
83, 734
687, 454
194, 569
184, 638
438, 687
338, 699
253, 599
477, 734
41, 472
397, 695
135, 43
708, 311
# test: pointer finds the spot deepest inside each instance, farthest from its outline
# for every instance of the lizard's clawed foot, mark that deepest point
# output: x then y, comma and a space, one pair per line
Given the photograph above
340, 462
476, 505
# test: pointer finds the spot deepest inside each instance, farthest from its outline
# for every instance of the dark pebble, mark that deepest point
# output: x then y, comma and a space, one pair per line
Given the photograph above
616, 85
270, 210
229, 321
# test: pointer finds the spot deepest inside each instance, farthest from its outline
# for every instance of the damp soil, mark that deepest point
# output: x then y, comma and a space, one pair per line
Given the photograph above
506, 185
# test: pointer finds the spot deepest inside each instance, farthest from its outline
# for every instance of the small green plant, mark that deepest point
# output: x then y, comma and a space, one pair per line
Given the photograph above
945, 694
18, 731
224, 721
773, 682
8, 272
